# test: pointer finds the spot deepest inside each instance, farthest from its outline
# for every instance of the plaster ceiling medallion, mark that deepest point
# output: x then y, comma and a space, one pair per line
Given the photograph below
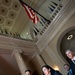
12, 15
1, 20
6, 2
8, 22
15, 6
3, 10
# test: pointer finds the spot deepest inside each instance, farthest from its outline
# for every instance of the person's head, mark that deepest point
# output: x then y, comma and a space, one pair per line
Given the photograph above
67, 67
46, 69
28, 72
69, 53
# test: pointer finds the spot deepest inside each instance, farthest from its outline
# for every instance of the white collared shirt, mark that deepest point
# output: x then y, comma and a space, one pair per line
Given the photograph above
73, 59
70, 72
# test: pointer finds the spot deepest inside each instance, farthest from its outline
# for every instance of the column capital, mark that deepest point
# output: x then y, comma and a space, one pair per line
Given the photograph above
21, 63
16, 51
35, 54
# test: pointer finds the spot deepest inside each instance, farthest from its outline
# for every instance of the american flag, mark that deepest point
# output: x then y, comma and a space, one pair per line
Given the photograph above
31, 14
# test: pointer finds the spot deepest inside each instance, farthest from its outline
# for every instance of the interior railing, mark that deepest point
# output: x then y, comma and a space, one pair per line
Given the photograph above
39, 32
12, 35
41, 28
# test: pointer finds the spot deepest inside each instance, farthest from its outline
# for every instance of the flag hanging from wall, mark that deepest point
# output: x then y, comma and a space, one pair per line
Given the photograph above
31, 14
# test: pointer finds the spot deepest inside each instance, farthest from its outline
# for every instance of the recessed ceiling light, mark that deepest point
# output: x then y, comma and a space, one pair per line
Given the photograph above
70, 37
27, 33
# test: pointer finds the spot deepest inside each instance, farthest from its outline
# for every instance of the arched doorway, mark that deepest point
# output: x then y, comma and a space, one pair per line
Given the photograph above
67, 41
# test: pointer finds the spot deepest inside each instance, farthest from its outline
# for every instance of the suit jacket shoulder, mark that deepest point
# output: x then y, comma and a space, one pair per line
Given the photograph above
57, 73
67, 73
72, 66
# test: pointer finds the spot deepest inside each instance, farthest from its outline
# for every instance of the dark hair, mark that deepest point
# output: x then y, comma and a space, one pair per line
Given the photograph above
28, 71
53, 72
48, 67
66, 64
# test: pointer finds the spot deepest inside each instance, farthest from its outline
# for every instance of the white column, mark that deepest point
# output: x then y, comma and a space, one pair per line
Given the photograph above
39, 59
20, 61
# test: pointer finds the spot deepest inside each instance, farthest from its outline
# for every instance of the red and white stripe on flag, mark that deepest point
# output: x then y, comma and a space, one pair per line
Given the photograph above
31, 14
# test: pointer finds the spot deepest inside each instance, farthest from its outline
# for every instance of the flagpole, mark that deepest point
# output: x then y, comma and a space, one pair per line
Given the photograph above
35, 11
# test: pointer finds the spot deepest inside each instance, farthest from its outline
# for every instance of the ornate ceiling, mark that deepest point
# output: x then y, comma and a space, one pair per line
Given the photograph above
8, 13
14, 19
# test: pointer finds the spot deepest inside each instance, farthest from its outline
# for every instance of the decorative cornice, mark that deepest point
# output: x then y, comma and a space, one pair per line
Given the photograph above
9, 44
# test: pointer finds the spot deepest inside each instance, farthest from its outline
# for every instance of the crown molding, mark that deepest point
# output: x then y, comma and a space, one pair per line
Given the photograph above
9, 44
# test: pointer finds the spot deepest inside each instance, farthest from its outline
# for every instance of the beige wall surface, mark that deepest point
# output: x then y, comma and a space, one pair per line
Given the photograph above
52, 54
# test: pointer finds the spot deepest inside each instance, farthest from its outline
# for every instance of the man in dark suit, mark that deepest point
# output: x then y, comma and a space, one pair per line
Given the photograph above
67, 67
71, 56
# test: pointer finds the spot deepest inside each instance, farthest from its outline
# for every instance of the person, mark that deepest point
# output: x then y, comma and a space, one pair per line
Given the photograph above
47, 70
71, 56
67, 67
28, 72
